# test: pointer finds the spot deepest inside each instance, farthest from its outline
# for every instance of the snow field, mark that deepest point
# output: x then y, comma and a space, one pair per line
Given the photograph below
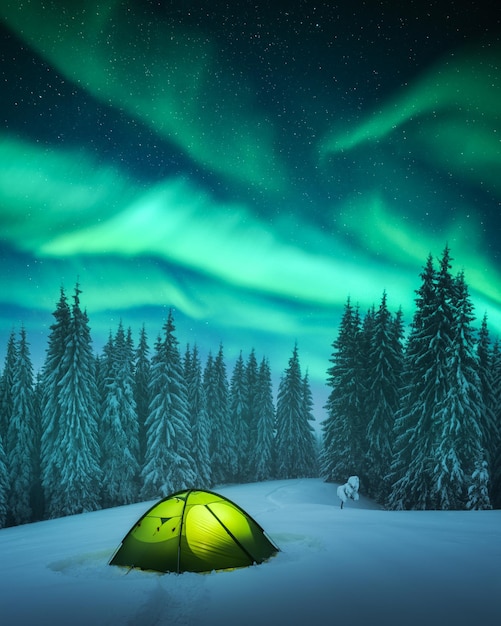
356, 566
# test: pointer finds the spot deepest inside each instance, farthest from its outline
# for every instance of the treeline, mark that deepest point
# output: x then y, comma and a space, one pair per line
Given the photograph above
418, 418
91, 431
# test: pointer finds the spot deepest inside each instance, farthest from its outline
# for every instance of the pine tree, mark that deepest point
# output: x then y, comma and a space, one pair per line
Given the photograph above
238, 418
222, 445
478, 491
262, 454
6, 386
200, 427
21, 436
104, 370
439, 432
37, 494
486, 371
4, 486
120, 443
460, 453
342, 431
496, 456
52, 373
141, 389
7, 379
309, 449
383, 385
447, 478
78, 456
168, 463
424, 387
250, 416
294, 437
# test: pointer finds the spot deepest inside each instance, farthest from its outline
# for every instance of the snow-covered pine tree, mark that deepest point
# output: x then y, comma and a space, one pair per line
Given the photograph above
383, 382
238, 418
309, 449
104, 375
342, 431
222, 446
478, 491
168, 465
424, 388
262, 454
397, 337
4, 485
51, 438
438, 427
460, 450
200, 427
365, 367
141, 389
119, 427
21, 436
251, 392
496, 460
78, 456
294, 436
104, 368
37, 496
487, 373
6, 386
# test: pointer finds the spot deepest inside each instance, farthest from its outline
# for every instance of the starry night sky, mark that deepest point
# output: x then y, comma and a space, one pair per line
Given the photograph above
249, 164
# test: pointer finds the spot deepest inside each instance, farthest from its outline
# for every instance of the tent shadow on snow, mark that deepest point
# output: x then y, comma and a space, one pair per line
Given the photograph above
194, 531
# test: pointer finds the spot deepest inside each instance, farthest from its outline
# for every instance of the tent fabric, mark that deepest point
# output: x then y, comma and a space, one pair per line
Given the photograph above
194, 531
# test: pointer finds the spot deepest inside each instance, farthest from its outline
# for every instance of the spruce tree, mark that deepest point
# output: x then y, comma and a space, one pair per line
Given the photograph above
309, 448
52, 374
383, 387
168, 463
343, 430
37, 495
251, 418
238, 418
439, 433
141, 389
262, 454
478, 490
78, 457
495, 490
197, 410
294, 437
21, 436
460, 454
4, 485
6, 386
104, 370
487, 374
119, 427
222, 445
424, 386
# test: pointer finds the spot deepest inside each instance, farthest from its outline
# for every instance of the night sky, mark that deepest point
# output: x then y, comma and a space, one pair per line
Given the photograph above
249, 164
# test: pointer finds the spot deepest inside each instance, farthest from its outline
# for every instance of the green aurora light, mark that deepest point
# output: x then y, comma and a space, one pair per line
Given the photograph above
353, 212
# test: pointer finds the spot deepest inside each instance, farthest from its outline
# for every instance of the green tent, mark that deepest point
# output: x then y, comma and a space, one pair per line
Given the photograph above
194, 531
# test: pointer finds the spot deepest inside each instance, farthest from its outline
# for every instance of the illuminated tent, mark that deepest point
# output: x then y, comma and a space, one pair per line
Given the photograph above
194, 531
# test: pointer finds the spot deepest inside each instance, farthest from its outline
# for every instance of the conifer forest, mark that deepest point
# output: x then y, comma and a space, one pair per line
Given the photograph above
414, 410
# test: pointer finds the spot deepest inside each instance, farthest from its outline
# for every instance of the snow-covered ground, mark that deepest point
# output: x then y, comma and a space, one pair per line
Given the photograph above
355, 566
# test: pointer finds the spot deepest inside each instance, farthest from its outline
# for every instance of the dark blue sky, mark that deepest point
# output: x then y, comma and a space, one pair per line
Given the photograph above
249, 165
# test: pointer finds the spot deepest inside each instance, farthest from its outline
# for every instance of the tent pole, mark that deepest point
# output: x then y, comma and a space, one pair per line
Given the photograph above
248, 554
181, 532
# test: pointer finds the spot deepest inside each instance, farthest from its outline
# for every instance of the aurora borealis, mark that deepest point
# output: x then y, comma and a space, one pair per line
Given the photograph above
249, 165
